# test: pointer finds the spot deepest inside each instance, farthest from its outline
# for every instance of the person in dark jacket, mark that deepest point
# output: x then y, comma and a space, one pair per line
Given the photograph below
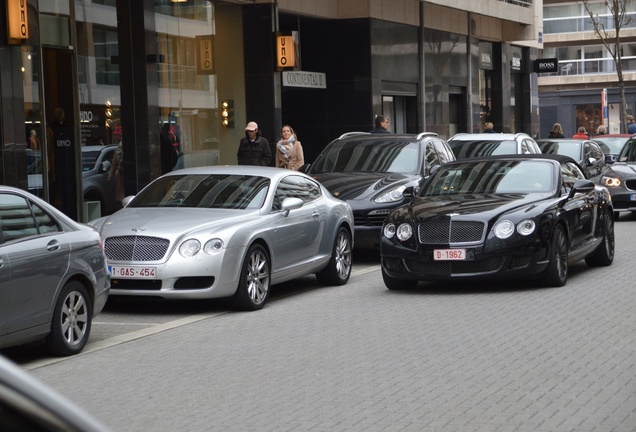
381, 124
254, 149
557, 131
489, 127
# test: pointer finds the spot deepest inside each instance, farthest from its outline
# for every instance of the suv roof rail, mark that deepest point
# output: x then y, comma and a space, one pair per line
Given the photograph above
349, 134
424, 134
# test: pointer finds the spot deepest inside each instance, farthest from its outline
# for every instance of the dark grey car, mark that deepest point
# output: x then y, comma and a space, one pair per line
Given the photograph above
53, 275
96, 162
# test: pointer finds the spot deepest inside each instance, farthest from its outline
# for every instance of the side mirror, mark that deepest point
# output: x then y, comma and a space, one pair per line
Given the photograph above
581, 186
105, 167
610, 158
409, 192
127, 200
289, 204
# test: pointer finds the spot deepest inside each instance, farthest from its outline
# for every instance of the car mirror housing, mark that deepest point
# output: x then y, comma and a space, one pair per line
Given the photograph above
581, 186
105, 167
291, 204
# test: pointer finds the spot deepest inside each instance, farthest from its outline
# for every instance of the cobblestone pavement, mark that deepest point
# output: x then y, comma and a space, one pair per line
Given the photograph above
498, 357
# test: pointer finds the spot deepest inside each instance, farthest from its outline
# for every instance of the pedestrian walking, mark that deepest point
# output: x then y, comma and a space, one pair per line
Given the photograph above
557, 131
631, 126
289, 151
581, 134
254, 149
489, 127
381, 124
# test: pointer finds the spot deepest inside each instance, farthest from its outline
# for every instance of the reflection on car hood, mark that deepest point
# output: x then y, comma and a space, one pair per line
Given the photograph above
486, 206
623, 168
171, 222
361, 185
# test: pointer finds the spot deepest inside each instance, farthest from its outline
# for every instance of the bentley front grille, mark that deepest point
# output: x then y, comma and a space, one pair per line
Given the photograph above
450, 232
135, 248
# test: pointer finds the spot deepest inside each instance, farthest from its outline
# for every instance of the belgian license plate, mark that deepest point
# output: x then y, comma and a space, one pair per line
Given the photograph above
632, 197
449, 254
132, 272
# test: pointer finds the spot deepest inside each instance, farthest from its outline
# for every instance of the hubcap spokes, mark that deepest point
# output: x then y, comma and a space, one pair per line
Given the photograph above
74, 318
257, 278
343, 256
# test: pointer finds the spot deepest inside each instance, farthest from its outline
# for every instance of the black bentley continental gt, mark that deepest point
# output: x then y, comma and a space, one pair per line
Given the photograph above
499, 217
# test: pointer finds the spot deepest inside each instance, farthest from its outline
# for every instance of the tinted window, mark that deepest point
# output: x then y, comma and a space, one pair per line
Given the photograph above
492, 177
19, 218
466, 149
567, 148
207, 191
570, 173
445, 153
295, 187
431, 155
628, 152
369, 156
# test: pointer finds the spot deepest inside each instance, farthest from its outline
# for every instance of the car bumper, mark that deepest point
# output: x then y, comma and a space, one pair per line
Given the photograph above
404, 263
203, 277
623, 200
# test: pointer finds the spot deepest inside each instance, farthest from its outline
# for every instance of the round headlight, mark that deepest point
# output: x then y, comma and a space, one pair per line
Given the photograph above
504, 229
190, 248
611, 181
404, 232
213, 246
526, 227
389, 230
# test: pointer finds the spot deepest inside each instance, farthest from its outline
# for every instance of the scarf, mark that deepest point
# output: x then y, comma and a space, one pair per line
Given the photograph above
286, 149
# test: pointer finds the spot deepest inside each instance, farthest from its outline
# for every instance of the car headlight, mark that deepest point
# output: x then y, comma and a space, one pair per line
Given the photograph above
611, 181
389, 230
213, 246
504, 229
190, 248
391, 196
404, 232
526, 227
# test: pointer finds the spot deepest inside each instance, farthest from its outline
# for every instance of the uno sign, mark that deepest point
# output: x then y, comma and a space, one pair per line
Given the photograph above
18, 23
546, 65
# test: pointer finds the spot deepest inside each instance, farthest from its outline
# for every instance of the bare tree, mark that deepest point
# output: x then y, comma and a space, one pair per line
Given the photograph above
608, 28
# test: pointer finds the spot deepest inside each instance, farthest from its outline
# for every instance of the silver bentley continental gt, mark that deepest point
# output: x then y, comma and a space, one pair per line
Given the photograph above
227, 232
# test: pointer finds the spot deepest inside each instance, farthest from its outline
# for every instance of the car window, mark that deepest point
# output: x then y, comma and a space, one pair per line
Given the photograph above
19, 218
431, 155
466, 149
221, 191
362, 155
628, 152
444, 152
570, 173
294, 186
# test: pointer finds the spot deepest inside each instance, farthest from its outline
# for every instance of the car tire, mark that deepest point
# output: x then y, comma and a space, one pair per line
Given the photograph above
338, 270
254, 283
397, 284
603, 255
556, 275
72, 320
616, 215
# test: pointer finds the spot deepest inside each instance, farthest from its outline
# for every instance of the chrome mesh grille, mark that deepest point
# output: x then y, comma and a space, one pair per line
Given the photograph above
446, 268
447, 231
135, 248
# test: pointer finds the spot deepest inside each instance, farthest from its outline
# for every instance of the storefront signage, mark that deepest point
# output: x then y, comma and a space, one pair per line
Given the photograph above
485, 56
17, 21
515, 64
285, 51
546, 65
205, 57
305, 79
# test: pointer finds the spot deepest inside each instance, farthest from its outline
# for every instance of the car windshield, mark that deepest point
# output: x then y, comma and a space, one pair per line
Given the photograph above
369, 156
204, 191
467, 149
491, 177
567, 148
628, 153
611, 145
89, 159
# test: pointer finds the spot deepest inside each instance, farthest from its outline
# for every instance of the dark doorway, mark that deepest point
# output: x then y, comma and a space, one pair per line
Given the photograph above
61, 147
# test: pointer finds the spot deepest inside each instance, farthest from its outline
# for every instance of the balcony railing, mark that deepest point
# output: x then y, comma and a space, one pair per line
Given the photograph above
524, 3
593, 66
583, 24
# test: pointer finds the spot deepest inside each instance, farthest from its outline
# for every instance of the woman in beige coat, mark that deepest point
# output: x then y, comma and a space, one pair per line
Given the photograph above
289, 151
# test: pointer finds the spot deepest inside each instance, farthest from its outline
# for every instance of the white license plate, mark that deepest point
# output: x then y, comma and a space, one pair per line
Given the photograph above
132, 272
632, 197
449, 254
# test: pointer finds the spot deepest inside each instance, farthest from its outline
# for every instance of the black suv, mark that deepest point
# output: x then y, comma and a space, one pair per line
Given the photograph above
370, 172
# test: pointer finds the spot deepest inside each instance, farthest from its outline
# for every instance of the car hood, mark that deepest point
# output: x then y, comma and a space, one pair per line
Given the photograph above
171, 222
484, 207
624, 168
362, 185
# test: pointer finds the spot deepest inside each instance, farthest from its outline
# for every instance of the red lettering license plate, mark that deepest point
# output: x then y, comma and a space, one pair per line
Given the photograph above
449, 254
132, 272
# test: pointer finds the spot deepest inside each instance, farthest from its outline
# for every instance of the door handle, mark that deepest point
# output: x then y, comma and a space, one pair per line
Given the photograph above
315, 215
53, 245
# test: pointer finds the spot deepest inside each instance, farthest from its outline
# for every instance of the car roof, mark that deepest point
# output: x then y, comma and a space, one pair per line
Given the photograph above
487, 136
263, 171
535, 156
386, 136
612, 136
564, 140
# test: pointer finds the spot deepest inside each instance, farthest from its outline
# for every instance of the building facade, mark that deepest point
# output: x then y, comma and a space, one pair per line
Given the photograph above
177, 80
574, 96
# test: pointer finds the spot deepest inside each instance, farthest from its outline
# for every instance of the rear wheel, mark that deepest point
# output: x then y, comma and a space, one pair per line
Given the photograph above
253, 287
72, 318
397, 284
338, 270
557, 272
604, 253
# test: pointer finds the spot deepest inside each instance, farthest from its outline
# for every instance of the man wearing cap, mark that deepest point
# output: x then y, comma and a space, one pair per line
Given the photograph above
631, 126
254, 149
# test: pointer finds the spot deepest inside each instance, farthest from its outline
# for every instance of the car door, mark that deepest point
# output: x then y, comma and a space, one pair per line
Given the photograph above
580, 209
36, 251
297, 236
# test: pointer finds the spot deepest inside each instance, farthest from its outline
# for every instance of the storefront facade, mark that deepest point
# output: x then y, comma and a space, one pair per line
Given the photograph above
176, 82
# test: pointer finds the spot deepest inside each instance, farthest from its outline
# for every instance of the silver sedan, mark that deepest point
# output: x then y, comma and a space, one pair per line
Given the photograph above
227, 232
53, 275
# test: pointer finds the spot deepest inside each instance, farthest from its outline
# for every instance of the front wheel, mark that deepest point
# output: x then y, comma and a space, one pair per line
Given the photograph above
253, 287
604, 253
72, 319
557, 272
338, 270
